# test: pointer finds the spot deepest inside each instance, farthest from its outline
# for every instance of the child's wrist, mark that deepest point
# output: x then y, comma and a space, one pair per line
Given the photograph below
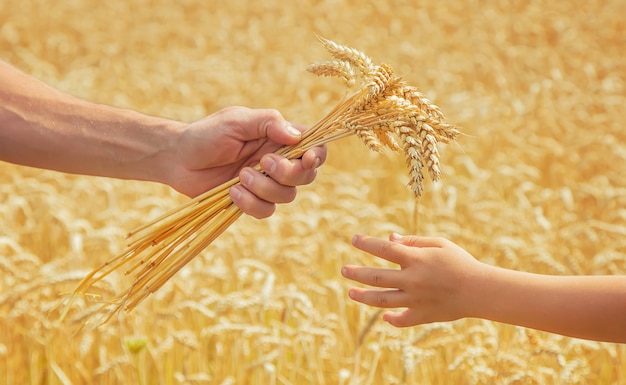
477, 291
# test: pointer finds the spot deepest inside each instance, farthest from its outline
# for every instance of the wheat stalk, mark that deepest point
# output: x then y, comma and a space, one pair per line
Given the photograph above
380, 109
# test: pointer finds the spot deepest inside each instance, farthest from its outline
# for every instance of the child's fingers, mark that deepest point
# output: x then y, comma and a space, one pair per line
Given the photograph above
416, 241
379, 298
373, 276
402, 319
391, 251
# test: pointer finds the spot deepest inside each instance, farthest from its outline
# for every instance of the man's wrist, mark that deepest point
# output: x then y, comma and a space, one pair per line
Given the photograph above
160, 159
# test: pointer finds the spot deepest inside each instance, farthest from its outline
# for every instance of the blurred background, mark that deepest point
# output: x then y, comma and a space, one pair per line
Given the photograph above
535, 183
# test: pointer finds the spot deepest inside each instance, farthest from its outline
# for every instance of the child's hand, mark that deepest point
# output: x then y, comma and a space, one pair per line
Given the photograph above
432, 281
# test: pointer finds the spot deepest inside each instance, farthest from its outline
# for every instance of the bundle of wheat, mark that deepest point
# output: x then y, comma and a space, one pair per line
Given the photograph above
380, 109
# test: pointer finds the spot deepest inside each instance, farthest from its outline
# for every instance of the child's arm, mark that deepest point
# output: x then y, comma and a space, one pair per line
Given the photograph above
439, 281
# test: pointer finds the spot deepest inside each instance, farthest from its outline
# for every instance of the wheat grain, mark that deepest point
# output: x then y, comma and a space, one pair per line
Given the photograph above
337, 68
344, 53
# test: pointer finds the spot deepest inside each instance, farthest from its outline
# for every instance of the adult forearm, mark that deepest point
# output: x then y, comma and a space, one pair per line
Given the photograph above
591, 307
42, 127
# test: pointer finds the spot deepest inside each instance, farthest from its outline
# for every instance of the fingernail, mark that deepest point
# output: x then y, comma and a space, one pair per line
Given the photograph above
344, 271
293, 131
354, 238
235, 193
246, 177
396, 236
318, 162
351, 293
268, 164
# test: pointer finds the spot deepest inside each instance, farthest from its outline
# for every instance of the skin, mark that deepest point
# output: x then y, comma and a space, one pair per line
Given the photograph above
439, 281
45, 128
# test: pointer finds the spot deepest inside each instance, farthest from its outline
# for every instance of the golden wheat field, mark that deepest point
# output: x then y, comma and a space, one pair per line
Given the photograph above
536, 183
